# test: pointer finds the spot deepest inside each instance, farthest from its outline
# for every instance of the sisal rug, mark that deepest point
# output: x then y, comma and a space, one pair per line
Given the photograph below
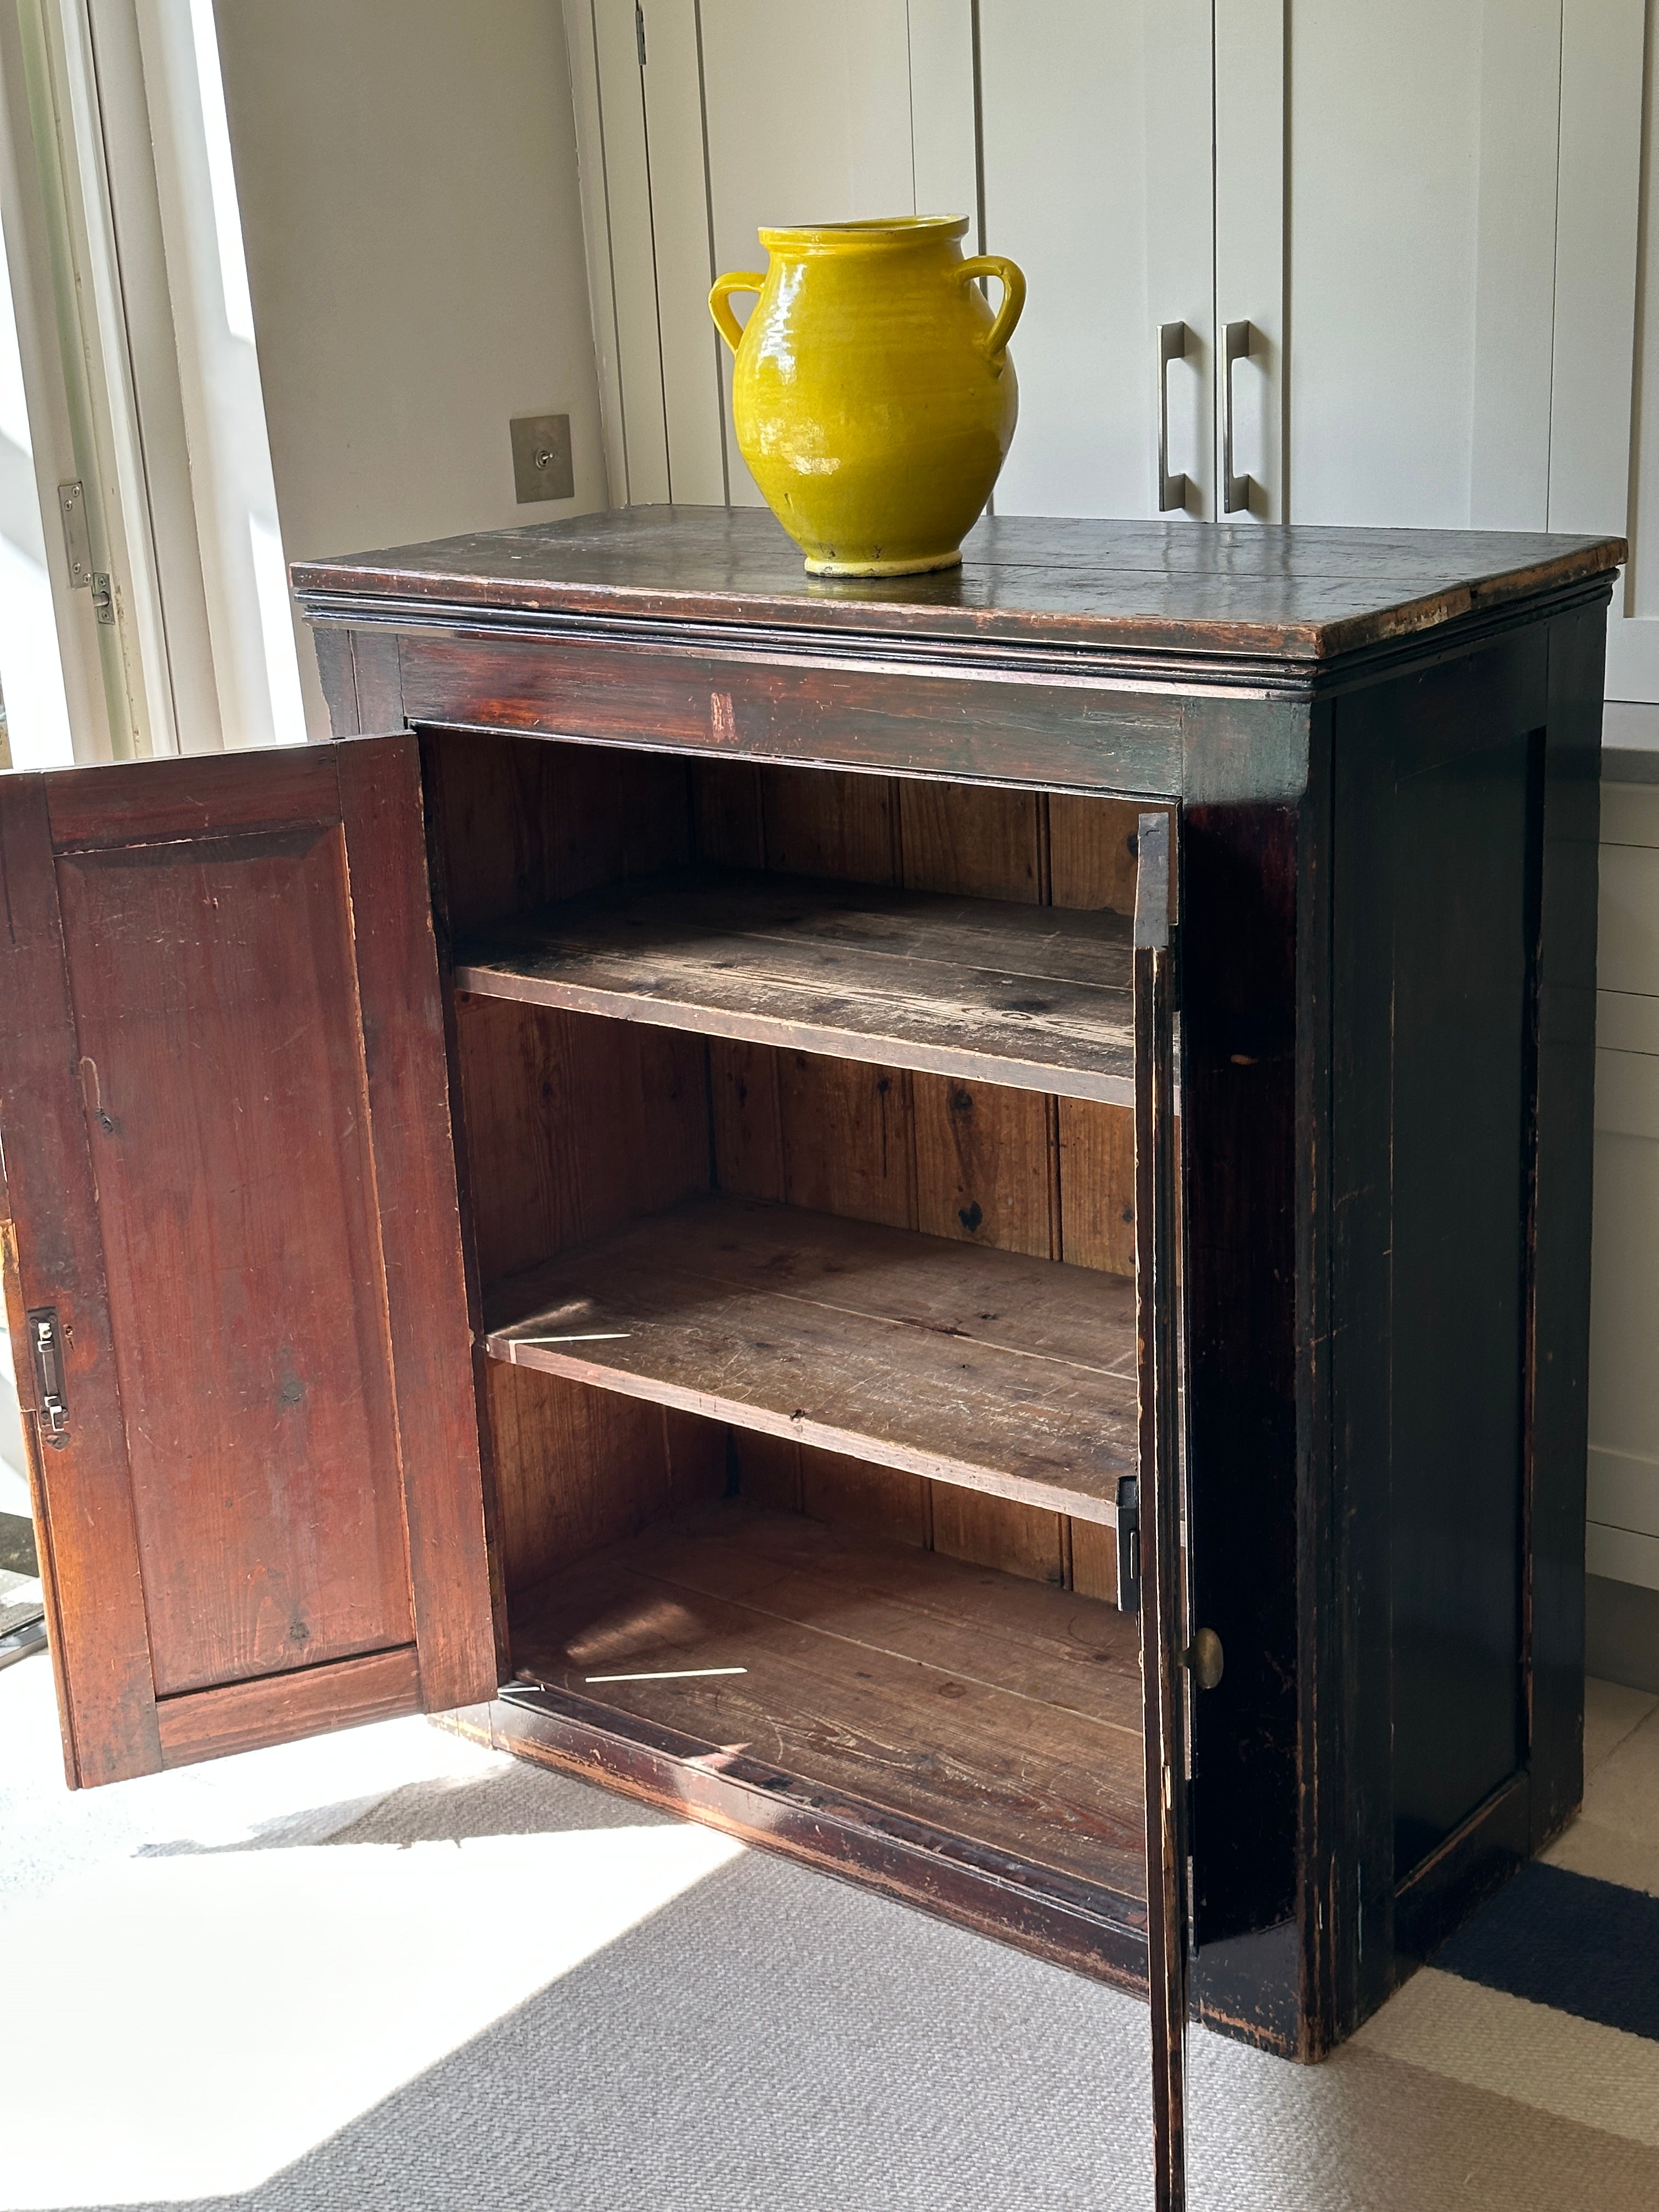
406, 1975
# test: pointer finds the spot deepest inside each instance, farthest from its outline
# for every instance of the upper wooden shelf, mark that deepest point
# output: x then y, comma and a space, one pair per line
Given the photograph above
1039, 998
984, 1368
1295, 592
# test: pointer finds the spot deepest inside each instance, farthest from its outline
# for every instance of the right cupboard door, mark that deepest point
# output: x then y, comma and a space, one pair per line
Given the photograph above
1083, 109
1426, 215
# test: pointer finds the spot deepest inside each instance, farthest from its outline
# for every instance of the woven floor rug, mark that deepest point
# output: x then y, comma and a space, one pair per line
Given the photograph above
390, 1973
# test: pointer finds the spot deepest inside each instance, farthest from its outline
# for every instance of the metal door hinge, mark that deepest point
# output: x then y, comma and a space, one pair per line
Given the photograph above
46, 1343
638, 30
77, 546
1128, 1543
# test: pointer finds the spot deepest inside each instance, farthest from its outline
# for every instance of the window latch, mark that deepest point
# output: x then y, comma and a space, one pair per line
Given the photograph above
78, 547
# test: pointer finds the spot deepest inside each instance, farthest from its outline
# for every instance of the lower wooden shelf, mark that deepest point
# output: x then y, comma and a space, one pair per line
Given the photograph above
971, 1740
1002, 1373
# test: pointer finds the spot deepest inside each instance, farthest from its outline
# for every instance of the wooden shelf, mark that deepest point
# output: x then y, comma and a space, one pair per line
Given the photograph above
1039, 998
975, 1702
984, 1368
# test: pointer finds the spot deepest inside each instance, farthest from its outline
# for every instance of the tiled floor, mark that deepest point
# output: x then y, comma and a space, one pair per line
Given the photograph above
388, 1970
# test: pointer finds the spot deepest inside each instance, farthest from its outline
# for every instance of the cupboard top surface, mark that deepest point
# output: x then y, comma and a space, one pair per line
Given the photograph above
1297, 592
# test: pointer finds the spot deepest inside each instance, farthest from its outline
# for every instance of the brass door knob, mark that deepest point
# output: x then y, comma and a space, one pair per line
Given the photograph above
1205, 1658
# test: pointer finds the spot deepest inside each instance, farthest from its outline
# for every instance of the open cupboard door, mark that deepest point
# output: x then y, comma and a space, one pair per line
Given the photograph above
233, 1268
1163, 1644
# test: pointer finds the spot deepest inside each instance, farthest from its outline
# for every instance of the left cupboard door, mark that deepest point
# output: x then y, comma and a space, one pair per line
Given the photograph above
232, 1252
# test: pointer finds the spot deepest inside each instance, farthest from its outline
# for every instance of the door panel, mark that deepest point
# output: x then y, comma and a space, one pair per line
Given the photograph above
1384, 259
1162, 1598
808, 121
231, 1177
1087, 131
256, 1388
1454, 312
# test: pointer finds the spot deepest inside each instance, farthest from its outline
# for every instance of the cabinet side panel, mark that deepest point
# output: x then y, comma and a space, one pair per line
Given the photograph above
377, 673
573, 1126
1461, 1154
1239, 1110
517, 825
575, 1468
1362, 1197
339, 682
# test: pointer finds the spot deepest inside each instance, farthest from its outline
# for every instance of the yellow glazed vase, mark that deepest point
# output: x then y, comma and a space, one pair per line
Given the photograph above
873, 396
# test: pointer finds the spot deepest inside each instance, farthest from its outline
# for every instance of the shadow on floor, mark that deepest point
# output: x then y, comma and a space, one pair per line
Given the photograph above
773, 2041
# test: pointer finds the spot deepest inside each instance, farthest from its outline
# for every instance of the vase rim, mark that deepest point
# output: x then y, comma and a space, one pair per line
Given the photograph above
880, 230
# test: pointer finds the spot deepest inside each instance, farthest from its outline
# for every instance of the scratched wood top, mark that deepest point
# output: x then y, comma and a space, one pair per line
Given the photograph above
1036, 997
988, 1707
1297, 592
1001, 1373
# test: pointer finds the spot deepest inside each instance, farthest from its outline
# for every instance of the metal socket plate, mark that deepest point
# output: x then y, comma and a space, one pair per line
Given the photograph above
542, 466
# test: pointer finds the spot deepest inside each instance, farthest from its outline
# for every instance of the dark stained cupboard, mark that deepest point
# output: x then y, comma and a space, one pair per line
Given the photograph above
755, 1188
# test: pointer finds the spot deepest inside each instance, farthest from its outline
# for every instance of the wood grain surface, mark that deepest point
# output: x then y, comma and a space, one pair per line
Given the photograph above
1034, 997
992, 1708
1298, 591
231, 1175
969, 1366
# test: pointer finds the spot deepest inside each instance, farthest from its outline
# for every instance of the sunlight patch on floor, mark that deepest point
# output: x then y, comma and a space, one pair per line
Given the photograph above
196, 2023
291, 1793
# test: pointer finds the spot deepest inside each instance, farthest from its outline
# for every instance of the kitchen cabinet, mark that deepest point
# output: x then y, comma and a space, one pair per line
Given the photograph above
1420, 226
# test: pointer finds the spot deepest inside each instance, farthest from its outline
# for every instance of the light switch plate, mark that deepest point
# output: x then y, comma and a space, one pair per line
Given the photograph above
542, 466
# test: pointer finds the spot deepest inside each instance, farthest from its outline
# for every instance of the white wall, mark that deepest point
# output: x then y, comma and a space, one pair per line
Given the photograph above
407, 175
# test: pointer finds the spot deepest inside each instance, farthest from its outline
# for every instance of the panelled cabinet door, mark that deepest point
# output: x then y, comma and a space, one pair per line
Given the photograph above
1162, 1598
234, 1263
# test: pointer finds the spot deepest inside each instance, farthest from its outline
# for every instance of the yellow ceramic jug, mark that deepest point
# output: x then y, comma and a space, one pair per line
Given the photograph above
873, 395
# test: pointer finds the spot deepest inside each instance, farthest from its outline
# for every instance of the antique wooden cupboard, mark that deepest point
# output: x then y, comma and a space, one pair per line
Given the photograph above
633, 1213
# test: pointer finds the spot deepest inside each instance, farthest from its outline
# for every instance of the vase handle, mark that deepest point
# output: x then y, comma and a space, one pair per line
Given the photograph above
1013, 295
739, 280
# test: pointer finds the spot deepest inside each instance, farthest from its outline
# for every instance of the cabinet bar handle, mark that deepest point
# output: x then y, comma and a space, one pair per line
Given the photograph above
46, 1343
1238, 343
1171, 346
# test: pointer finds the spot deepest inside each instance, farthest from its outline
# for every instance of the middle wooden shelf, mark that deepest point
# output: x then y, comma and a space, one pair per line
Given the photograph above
1003, 1373
1037, 998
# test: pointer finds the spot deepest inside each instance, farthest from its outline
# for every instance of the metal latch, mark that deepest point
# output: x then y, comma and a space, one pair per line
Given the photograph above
1128, 1543
45, 1340
77, 545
